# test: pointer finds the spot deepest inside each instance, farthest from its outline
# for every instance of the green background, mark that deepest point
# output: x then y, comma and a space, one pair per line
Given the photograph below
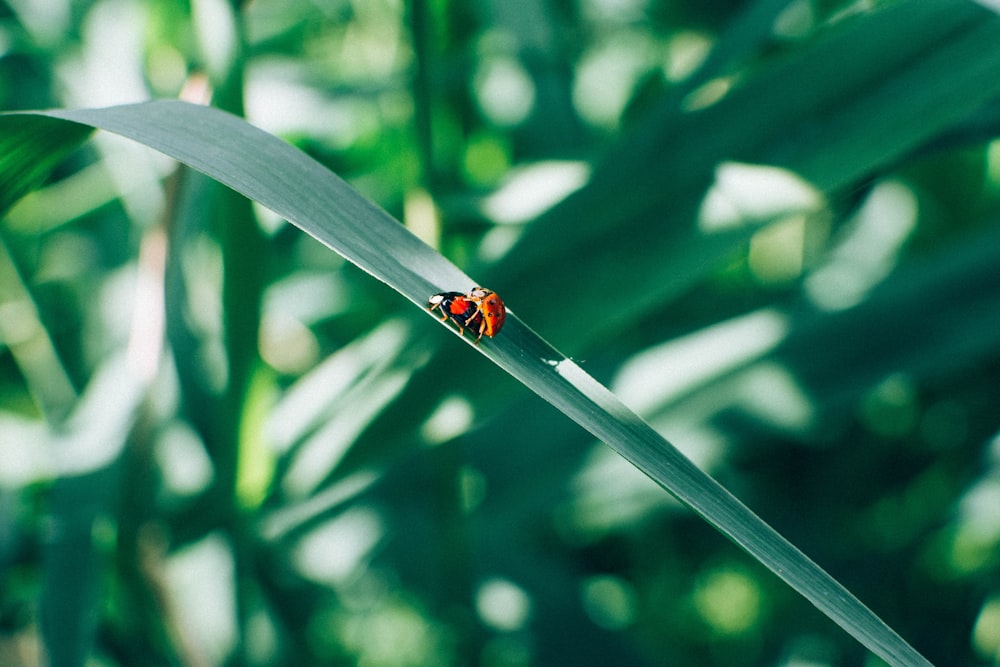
782, 250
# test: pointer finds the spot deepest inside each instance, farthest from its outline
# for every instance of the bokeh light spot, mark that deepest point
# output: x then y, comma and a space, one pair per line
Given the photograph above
609, 601
728, 600
502, 604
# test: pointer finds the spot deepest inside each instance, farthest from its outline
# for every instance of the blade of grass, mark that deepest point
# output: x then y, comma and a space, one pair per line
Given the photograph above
287, 181
26, 158
855, 101
86, 451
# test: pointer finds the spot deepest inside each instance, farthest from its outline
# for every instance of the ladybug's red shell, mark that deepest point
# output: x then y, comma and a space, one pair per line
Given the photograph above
491, 308
481, 310
456, 307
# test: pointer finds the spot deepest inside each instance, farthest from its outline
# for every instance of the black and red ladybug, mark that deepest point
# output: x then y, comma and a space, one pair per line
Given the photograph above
481, 310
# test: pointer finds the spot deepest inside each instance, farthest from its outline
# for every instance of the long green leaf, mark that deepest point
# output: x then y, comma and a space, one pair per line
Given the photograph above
856, 100
269, 171
27, 157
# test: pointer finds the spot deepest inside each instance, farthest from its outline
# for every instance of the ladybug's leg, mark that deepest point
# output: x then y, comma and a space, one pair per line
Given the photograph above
482, 328
445, 316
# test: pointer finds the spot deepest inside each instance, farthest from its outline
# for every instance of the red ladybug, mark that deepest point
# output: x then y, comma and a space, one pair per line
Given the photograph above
457, 307
481, 310
491, 309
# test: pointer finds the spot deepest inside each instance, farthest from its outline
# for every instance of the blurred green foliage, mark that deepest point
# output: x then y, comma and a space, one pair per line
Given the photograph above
782, 250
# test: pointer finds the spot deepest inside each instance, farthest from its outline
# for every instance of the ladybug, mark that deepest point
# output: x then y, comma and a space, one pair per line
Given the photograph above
457, 307
481, 310
492, 310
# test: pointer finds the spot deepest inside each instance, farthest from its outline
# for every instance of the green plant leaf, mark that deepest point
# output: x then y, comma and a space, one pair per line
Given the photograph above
857, 99
28, 154
278, 176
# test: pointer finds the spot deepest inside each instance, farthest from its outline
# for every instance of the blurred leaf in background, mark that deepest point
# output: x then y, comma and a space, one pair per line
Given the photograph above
770, 226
